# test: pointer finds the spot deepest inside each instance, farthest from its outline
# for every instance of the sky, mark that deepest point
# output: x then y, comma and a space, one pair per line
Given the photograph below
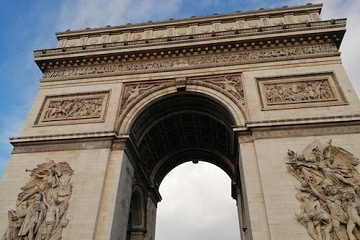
26, 26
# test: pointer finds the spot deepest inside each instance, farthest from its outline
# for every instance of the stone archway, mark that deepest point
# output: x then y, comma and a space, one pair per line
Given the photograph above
196, 204
136, 220
124, 105
177, 128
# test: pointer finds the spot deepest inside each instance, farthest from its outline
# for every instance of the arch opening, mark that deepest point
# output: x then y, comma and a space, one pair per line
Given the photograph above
178, 128
196, 204
136, 220
182, 127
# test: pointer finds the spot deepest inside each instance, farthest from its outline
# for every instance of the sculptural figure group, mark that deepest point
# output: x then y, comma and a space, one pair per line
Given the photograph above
42, 205
329, 191
319, 90
73, 109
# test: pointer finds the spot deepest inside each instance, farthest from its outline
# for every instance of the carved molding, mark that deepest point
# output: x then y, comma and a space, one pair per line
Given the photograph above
42, 205
62, 145
229, 85
196, 61
131, 91
248, 25
296, 91
328, 191
68, 142
74, 108
310, 129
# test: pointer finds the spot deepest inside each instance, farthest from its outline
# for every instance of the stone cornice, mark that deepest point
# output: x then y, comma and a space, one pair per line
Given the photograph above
74, 141
55, 137
320, 129
304, 121
299, 129
106, 51
109, 140
286, 124
191, 58
246, 15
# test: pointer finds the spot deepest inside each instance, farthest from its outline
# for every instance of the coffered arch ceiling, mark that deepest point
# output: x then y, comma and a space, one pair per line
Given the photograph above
181, 127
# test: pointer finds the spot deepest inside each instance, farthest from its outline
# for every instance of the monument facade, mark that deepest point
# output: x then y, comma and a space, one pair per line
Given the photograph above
262, 95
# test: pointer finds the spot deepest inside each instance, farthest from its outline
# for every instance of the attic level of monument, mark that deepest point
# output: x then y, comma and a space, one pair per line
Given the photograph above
268, 31
313, 9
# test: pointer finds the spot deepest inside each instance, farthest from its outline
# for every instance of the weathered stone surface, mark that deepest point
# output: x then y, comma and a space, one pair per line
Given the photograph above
125, 105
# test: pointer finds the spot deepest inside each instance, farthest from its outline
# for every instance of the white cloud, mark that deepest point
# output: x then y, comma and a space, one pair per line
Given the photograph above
197, 204
350, 47
190, 191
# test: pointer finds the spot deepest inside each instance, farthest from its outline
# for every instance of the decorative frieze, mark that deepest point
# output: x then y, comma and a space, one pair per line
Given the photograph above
196, 61
297, 91
294, 129
73, 108
317, 90
328, 191
42, 205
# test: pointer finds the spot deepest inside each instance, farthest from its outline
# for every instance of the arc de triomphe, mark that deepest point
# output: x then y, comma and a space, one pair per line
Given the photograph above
262, 95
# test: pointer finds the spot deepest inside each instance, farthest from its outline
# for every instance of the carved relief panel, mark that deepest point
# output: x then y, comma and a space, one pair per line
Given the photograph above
133, 92
328, 191
231, 85
74, 108
300, 91
42, 205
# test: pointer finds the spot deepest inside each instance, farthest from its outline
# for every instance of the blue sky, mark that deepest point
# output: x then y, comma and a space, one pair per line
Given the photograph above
30, 25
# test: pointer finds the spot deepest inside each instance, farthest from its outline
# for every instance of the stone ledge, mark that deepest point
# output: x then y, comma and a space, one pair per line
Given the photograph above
297, 130
62, 137
193, 39
297, 121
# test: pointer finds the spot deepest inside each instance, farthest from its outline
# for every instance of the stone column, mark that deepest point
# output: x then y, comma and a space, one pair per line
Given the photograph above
112, 220
256, 223
151, 219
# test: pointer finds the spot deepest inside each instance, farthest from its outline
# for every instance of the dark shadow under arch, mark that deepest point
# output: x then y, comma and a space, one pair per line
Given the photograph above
182, 127
137, 216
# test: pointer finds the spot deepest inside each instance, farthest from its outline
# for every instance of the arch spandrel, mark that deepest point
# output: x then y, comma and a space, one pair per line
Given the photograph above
234, 102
